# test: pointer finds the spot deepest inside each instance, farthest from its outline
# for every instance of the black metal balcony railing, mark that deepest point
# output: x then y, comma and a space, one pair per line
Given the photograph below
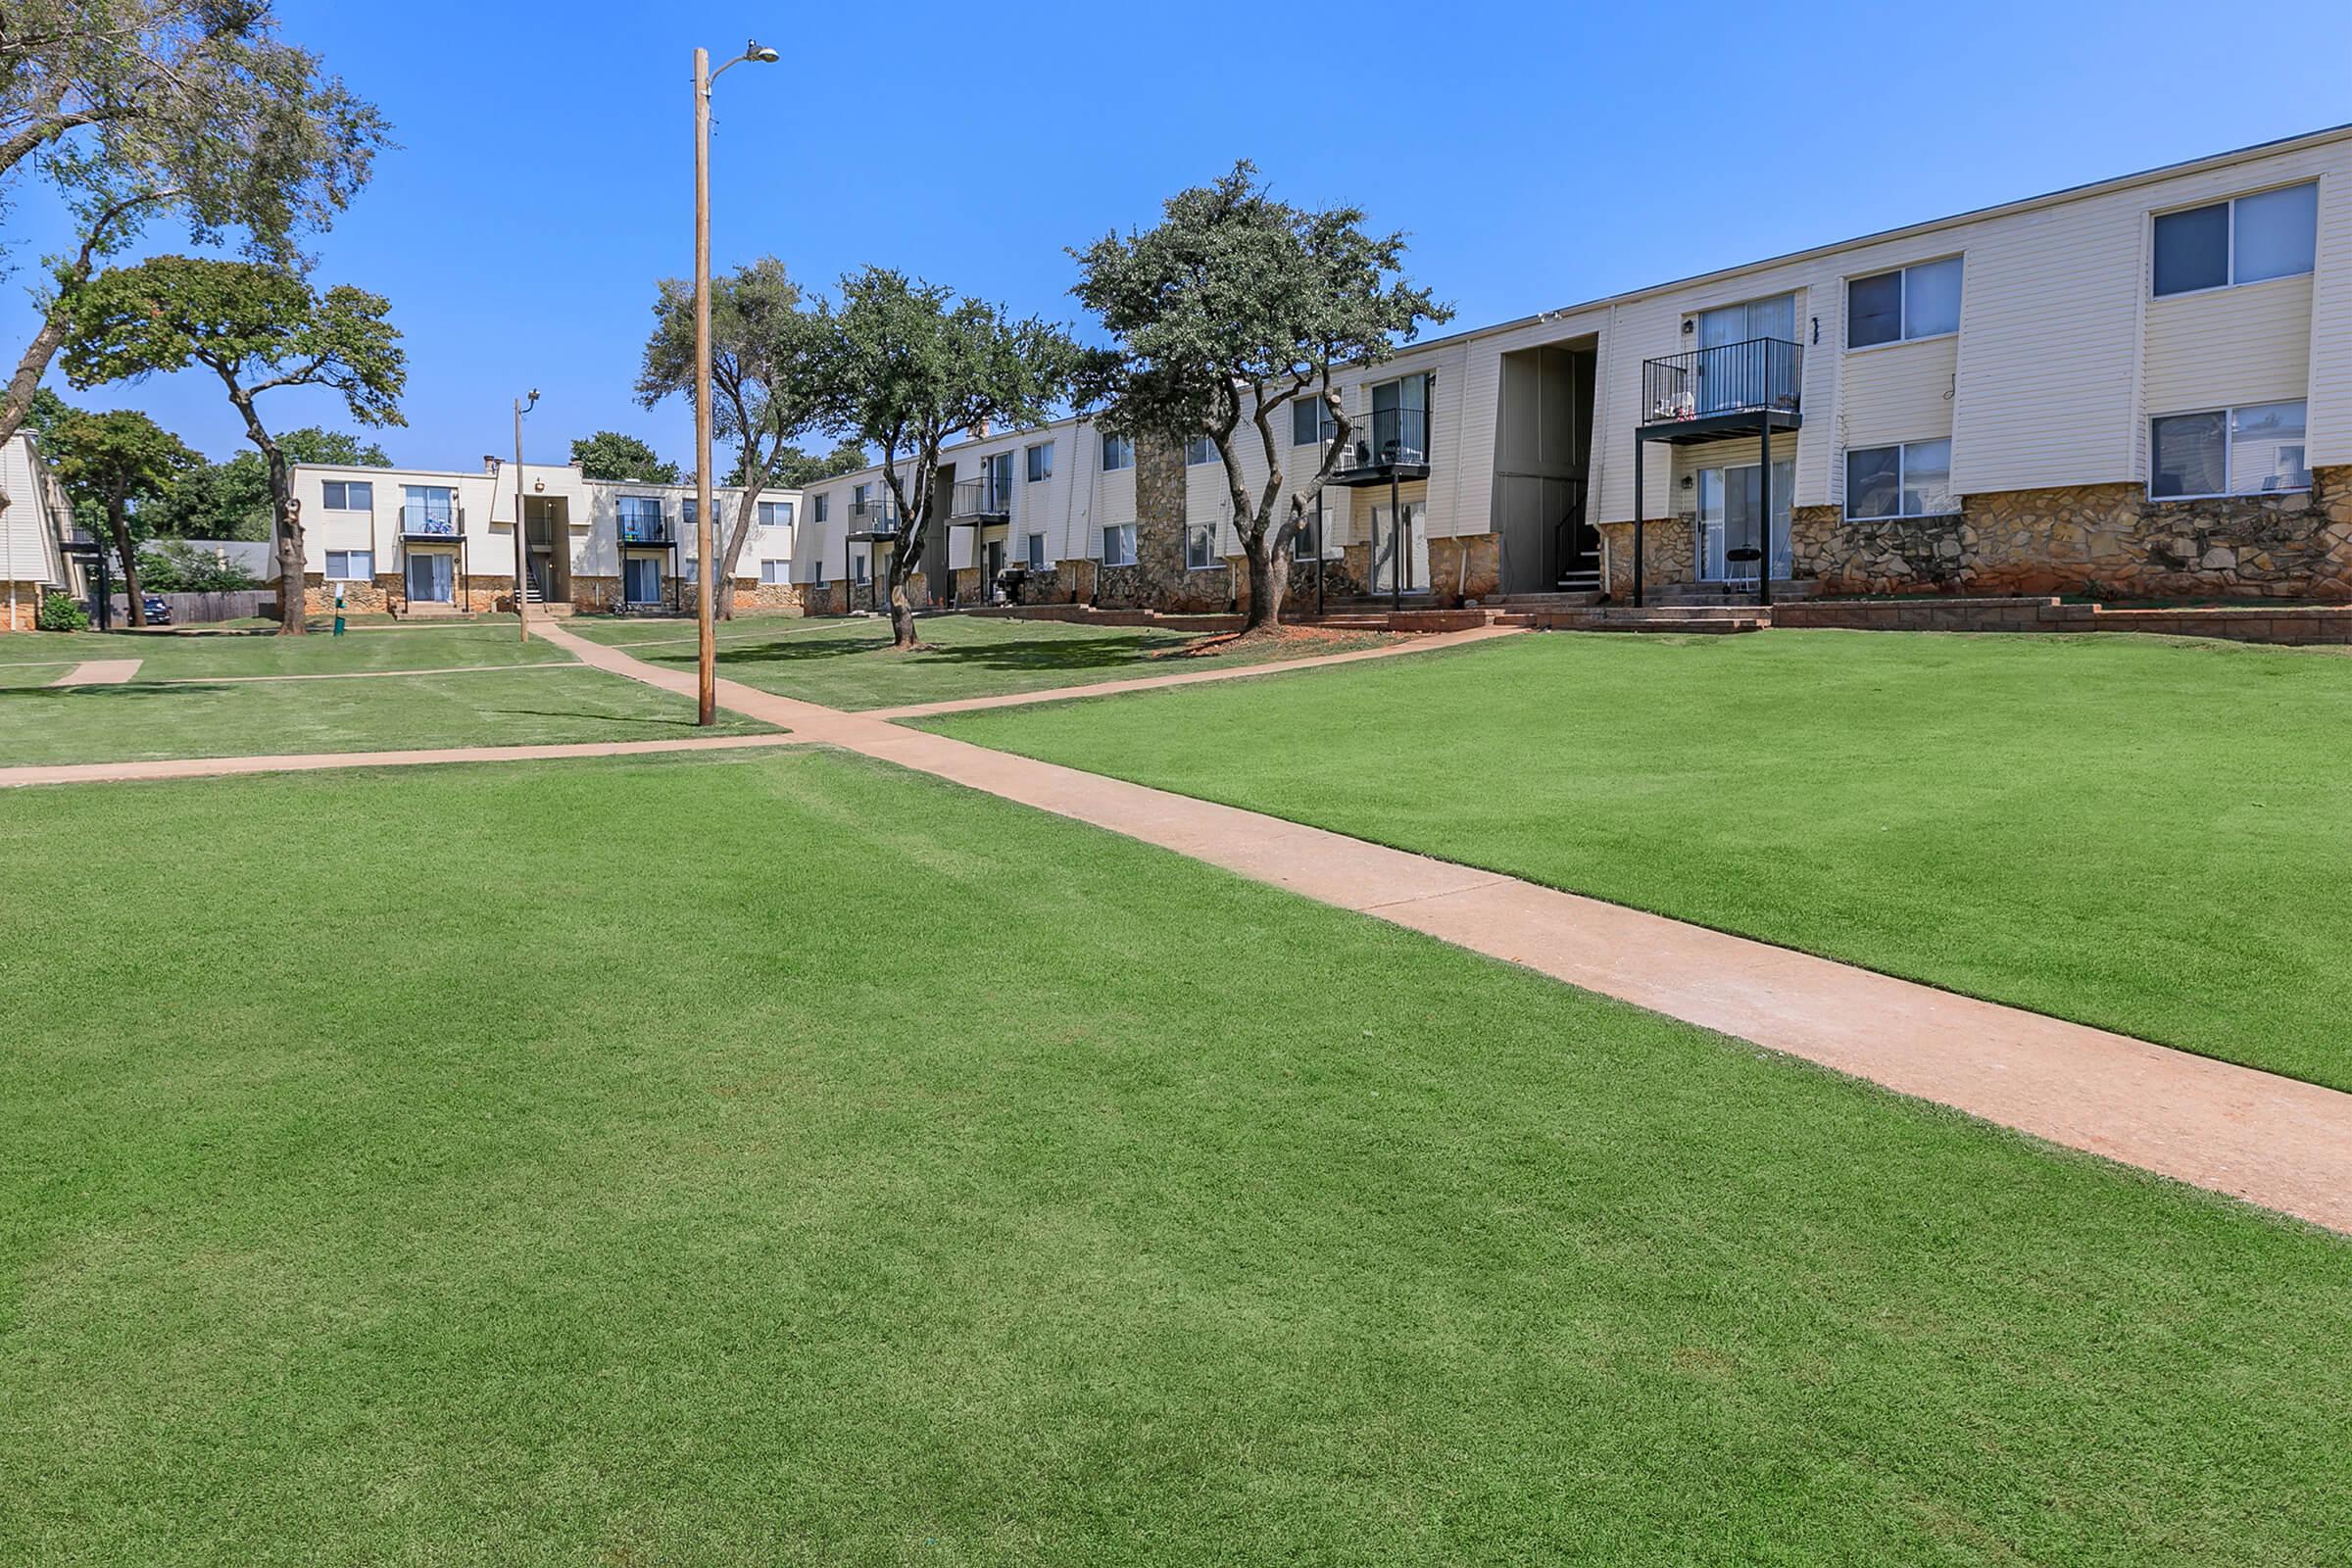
1763, 375
874, 516
985, 497
423, 522
645, 531
1387, 438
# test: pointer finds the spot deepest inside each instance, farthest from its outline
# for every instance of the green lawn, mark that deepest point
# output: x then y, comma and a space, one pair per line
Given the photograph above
2136, 833
189, 655
848, 663
437, 1205
486, 707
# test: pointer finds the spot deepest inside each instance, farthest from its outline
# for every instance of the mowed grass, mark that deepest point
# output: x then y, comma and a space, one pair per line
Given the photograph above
185, 656
2136, 833
848, 662
387, 713
450, 1208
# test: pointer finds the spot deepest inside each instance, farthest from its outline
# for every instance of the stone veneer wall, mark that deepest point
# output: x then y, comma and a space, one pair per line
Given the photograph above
2104, 539
29, 596
1667, 548
479, 594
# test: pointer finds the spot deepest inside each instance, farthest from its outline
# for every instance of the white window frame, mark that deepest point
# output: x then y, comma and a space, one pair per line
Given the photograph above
1903, 304
639, 562
857, 568
1037, 461
773, 573
1126, 454
627, 507
1902, 472
327, 488
1206, 445
1126, 534
2229, 269
1034, 551
2228, 414
1207, 535
347, 575
823, 507
775, 513
1323, 422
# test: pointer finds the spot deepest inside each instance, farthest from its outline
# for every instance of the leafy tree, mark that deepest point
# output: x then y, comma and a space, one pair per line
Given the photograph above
760, 389
128, 109
177, 566
905, 366
609, 455
231, 500
113, 463
800, 470
258, 329
1233, 308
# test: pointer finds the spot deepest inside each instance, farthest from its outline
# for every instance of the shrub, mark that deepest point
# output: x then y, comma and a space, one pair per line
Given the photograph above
177, 566
62, 613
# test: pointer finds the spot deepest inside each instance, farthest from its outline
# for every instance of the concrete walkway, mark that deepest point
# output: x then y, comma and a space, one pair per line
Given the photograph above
2271, 1141
314, 762
99, 672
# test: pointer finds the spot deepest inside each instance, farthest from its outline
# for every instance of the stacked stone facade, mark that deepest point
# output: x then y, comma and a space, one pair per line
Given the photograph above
2103, 540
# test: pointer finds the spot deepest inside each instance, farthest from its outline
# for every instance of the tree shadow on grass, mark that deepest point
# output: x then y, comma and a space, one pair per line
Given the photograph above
1024, 655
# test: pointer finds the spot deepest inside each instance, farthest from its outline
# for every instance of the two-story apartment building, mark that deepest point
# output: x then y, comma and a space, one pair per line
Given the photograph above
2140, 387
427, 542
34, 532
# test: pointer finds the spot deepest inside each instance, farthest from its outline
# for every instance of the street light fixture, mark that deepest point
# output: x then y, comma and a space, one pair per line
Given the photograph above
706, 635
523, 624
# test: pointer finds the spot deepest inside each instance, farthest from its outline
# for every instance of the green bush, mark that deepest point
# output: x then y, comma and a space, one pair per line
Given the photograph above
62, 613
177, 566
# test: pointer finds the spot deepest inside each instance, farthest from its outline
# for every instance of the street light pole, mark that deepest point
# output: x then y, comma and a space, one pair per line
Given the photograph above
705, 634
523, 564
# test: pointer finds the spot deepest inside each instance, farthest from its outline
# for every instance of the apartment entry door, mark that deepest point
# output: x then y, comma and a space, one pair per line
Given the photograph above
1386, 557
1729, 499
433, 579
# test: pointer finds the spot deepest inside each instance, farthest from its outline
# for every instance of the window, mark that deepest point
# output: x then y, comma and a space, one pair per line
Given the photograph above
823, 507
349, 495
775, 571
2254, 450
1307, 543
1922, 301
692, 508
430, 509
2271, 235
1037, 552
640, 516
1199, 450
1912, 480
1201, 547
1118, 546
775, 513
857, 566
1117, 453
1041, 461
1311, 422
350, 566
857, 495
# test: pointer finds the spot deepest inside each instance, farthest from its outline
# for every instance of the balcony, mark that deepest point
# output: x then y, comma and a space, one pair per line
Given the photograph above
983, 500
1729, 389
1388, 445
429, 522
874, 519
648, 534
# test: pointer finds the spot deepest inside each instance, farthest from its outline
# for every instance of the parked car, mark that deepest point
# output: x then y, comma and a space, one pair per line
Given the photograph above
159, 613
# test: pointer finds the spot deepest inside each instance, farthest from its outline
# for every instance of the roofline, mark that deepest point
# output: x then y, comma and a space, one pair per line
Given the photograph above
2022, 204
503, 463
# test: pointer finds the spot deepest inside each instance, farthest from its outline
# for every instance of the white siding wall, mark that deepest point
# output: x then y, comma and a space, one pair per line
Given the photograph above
2229, 345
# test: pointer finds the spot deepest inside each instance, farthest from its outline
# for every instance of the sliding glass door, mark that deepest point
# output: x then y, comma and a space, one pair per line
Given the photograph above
1729, 501
433, 579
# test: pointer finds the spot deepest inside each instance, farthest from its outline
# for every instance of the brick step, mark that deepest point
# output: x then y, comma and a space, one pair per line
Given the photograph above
1714, 593
1551, 600
1614, 617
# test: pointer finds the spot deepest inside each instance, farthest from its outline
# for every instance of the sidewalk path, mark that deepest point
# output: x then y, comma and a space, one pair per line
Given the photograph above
311, 761
99, 672
2271, 1141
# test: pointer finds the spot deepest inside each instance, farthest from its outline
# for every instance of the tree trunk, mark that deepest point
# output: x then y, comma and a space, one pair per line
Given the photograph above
292, 591
120, 525
902, 610
723, 590
1269, 576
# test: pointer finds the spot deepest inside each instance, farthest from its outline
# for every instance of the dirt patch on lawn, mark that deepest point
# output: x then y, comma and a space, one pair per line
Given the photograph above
1282, 642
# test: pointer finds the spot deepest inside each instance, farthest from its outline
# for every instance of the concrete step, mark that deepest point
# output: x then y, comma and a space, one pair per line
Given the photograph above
1715, 593
1562, 600
1624, 617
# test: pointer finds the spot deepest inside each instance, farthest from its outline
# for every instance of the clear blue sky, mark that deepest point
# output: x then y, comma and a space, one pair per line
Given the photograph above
1537, 154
